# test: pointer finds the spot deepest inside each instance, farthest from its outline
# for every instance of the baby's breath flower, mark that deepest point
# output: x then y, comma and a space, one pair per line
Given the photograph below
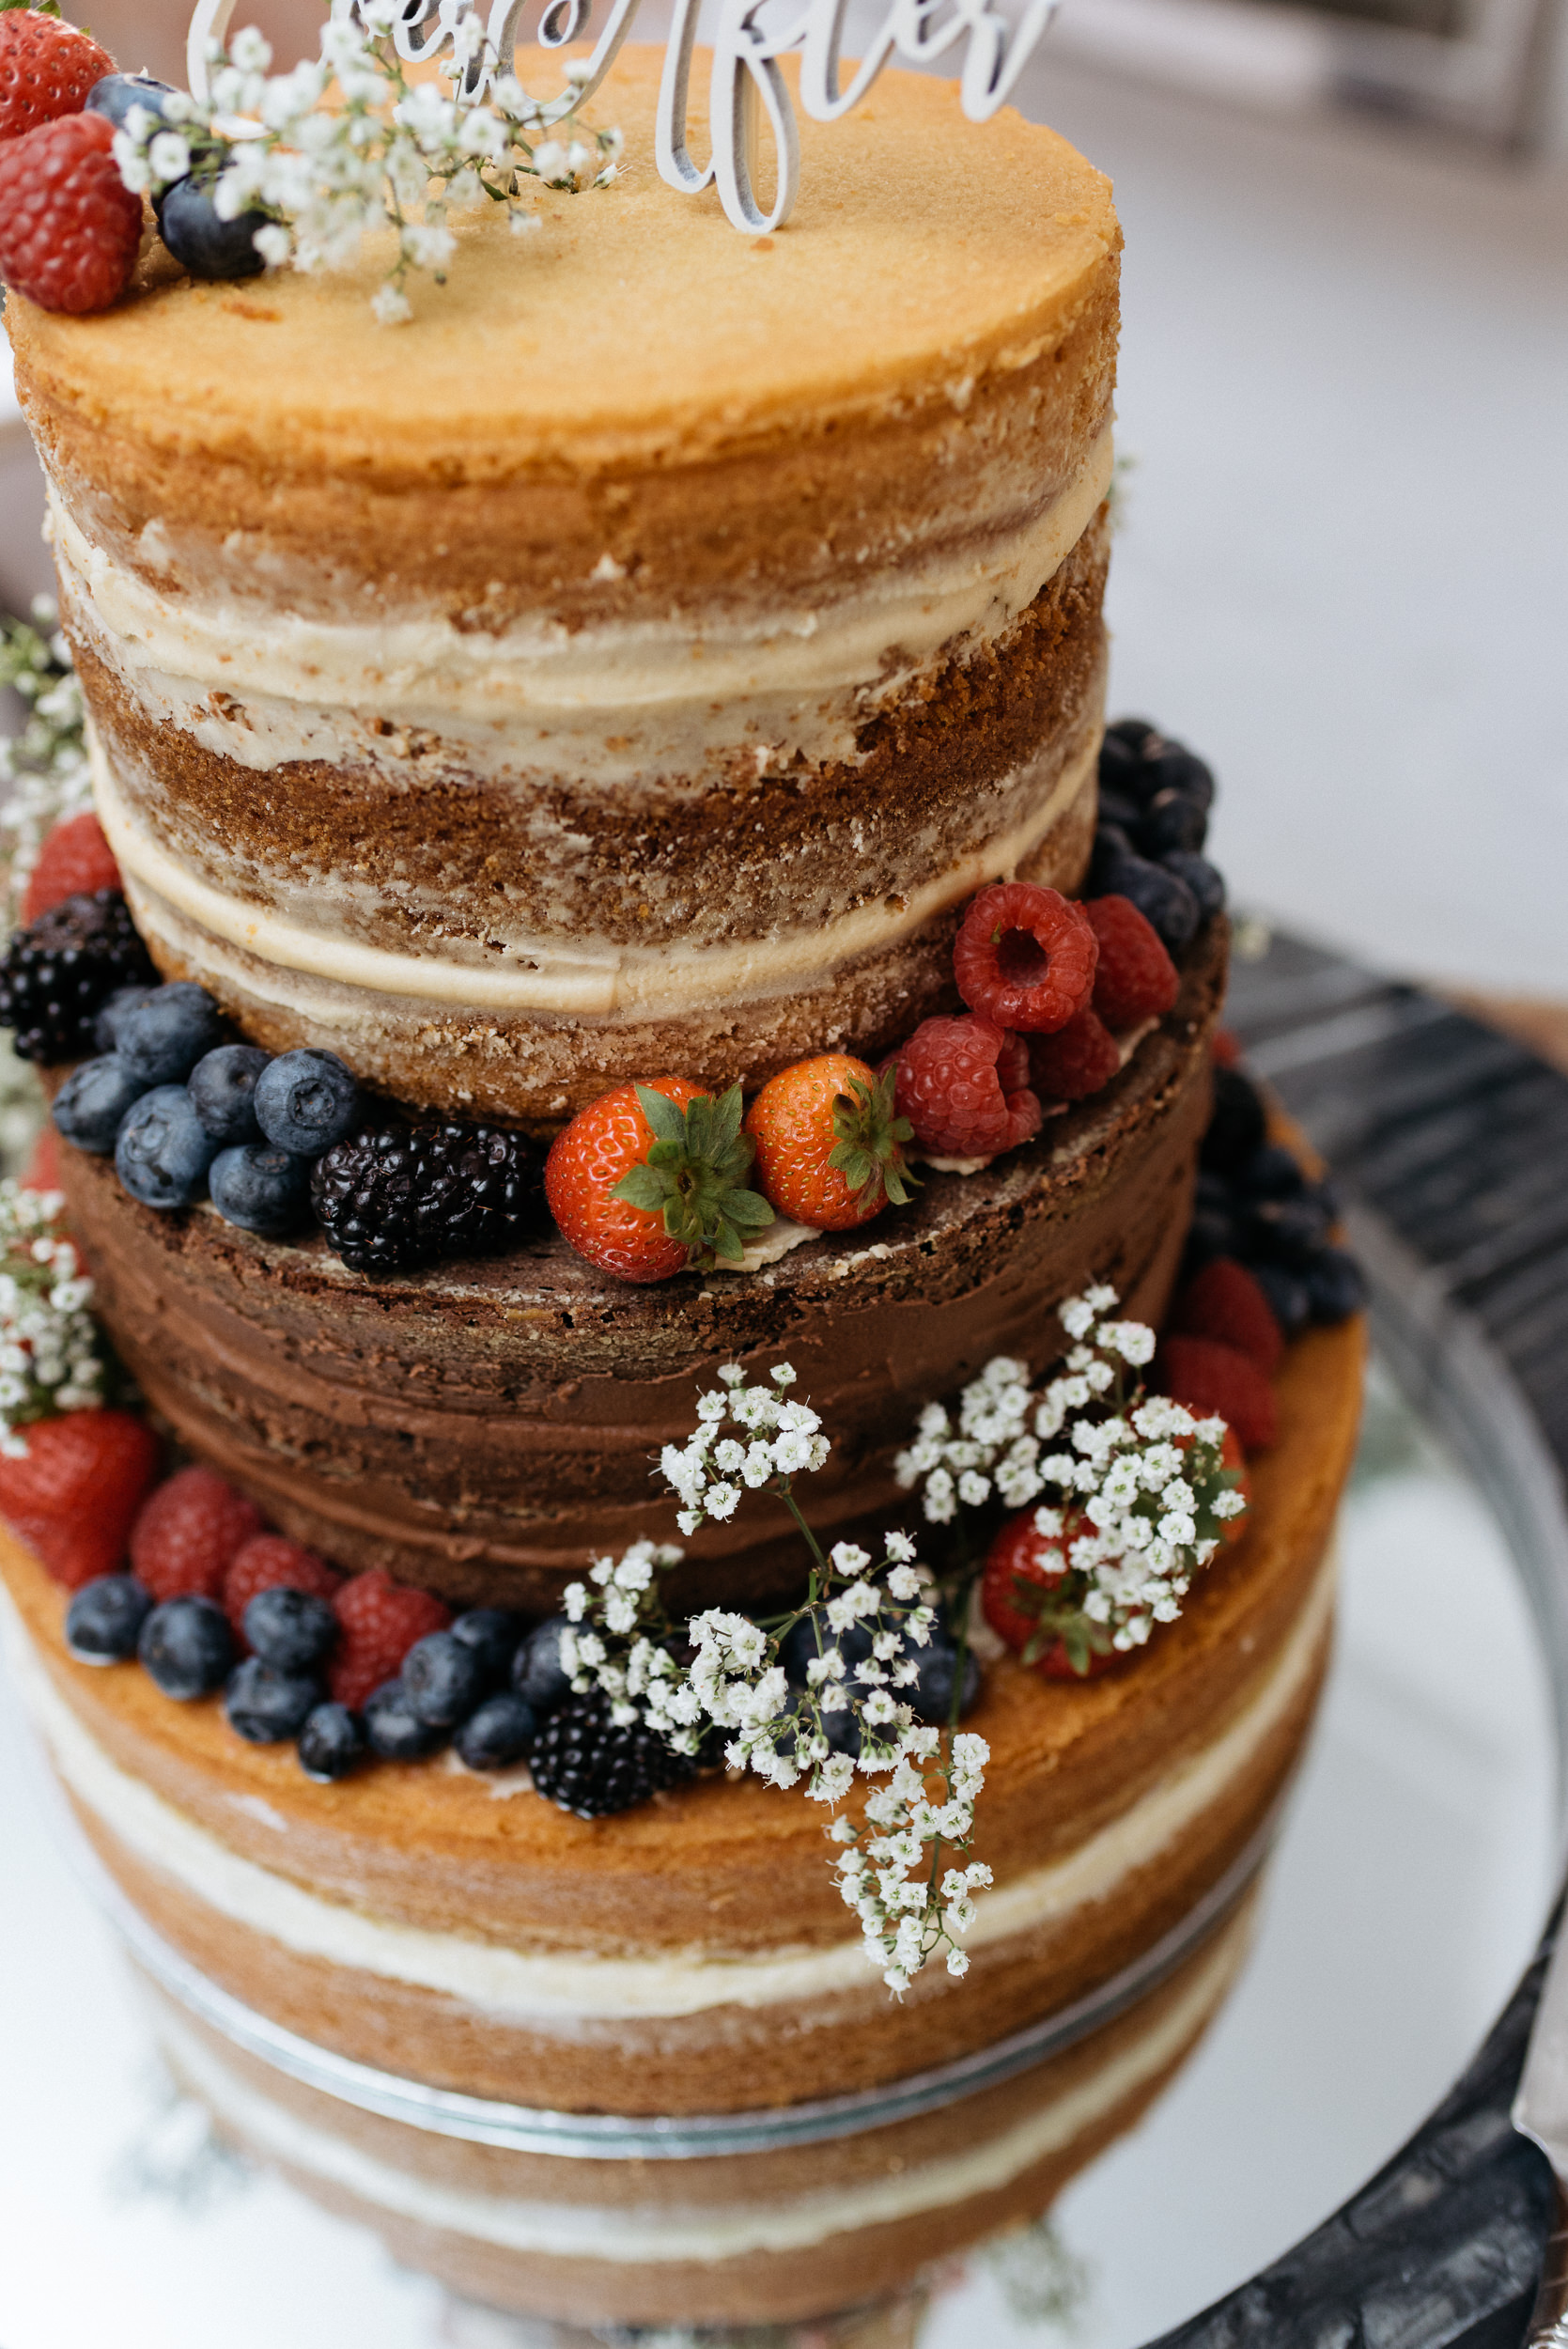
51, 1357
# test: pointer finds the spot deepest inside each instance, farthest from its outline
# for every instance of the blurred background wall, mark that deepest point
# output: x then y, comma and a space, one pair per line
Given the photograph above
1343, 571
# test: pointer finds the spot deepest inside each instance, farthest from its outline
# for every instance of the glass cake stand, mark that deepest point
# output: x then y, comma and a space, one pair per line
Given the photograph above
1412, 1878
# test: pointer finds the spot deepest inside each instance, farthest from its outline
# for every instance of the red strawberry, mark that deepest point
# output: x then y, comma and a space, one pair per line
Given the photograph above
187, 1533
1076, 1060
963, 1086
1224, 1301
43, 1167
70, 228
1209, 1376
381, 1620
1134, 979
1225, 1048
74, 1498
1022, 1553
650, 1179
1024, 957
76, 857
47, 68
271, 1562
827, 1138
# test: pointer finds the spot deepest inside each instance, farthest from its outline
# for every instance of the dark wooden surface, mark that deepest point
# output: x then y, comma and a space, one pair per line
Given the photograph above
1450, 1144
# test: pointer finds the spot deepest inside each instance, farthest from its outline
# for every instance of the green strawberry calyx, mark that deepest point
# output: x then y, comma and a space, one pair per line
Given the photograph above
871, 1138
693, 1175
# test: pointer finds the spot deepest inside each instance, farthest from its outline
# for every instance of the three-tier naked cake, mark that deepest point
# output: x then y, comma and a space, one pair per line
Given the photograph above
638, 667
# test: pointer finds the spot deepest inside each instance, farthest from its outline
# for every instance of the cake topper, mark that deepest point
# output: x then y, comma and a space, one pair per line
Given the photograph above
745, 84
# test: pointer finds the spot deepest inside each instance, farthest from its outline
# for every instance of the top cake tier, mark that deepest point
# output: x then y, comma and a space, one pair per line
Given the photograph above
633, 664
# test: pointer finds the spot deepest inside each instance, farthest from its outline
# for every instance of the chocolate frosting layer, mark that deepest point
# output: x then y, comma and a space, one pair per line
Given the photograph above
481, 1428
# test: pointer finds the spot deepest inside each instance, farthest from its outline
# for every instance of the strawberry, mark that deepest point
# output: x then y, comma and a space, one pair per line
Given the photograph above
70, 228
73, 1498
43, 1166
1210, 1377
187, 1533
1023, 1568
1134, 979
1224, 1301
963, 1084
381, 1621
1076, 1060
648, 1179
828, 1141
271, 1562
76, 858
47, 68
1024, 957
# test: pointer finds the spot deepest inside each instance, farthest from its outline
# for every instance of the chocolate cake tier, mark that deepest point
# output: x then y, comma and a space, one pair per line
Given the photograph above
481, 1428
513, 727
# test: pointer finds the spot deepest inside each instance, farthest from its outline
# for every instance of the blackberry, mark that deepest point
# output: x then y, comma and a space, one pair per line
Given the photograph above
404, 1195
59, 972
582, 1762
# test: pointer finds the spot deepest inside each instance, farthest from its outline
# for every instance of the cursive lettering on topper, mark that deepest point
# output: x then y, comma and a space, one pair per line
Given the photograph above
745, 85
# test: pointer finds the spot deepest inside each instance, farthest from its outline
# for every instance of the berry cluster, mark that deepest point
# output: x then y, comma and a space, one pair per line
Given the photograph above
1154, 801
1258, 1205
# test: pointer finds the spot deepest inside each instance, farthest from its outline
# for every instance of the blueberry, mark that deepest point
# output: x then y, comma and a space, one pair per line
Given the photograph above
1112, 844
264, 1705
123, 1000
221, 1084
443, 1680
187, 1646
1118, 809
1132, 732
1236, 1126
162, 1156
1206, 880
493, 1633
92, 1101
291, 1630
117, 93
202, 241
331, 1743
1174, 769
1164, 901
1173, 819
1289, 1299
840, 1729
536, 1672
1291, 1232
1335, 1286
394, 1729
161, 1038
1210, 1234
931, 1697
305, 1101
260, 1187
1271, 1173
801, 1642
104, 1621
498, 1734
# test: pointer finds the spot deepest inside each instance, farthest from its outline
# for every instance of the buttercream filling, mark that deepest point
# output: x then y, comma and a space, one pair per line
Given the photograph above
608, 699
552, 1989
730, 2231
576, 978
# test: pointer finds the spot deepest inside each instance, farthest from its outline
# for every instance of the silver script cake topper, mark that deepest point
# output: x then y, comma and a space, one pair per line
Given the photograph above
746, 81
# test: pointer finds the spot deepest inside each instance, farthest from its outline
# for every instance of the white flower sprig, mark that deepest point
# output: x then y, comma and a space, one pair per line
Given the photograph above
345, 144
46, 764
51, 1357
849, 1715
1142, 1498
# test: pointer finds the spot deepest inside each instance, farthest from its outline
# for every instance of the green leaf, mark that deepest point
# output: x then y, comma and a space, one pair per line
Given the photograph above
664, 1116
749, 1207
640, 1186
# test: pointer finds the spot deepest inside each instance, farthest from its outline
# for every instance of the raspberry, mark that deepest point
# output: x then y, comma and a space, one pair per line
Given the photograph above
1225, 1048
76, 858
70, 228
187, 1533
381, 1620
955, 1088
75, 1496
271, 1562
1226, 1303
1075, 1062
1135, 978
1024, 957
47, 68
1208, 1376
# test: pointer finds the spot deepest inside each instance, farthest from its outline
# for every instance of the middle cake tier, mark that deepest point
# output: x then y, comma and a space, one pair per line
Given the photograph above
481, 1429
